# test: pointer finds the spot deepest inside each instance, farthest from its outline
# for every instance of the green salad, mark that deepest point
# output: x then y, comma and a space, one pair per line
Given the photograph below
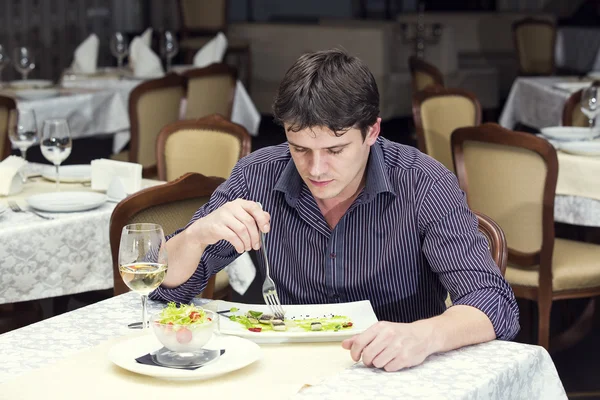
257, 321
183, 315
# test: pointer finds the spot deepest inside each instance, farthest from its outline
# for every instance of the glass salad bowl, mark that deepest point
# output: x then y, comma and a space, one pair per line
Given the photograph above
184, 330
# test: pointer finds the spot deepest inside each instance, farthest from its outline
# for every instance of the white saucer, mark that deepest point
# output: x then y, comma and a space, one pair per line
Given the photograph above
66, 201
37, 94
31, 84
590, 149
569, 133
69, 173
239, 353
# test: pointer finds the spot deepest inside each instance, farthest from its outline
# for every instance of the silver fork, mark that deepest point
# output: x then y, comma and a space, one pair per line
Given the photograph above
15, 207
268, 289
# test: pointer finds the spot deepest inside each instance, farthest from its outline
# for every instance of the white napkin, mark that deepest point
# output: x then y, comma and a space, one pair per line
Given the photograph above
104, 170
10, 177
85, 58
241, 273
147, 37
143, 61
244, 111
211, 52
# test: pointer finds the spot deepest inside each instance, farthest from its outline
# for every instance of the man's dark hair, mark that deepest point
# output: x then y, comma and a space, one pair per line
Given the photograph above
329, 89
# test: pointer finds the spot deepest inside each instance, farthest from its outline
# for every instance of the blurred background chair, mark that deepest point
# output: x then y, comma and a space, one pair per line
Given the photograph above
152, 105
210, 146
572, 114
7, 104
423, 74
210, 90
437, 112
511, 177
172, 206
535, 41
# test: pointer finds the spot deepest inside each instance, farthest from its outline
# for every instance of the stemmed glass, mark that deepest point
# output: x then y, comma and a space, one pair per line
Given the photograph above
119, 48
589, 103
169, 48
4, 60
143, 260
24, 61
23, 131
56, 143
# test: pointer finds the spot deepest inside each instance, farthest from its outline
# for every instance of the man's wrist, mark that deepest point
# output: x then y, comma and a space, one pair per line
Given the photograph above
432, 333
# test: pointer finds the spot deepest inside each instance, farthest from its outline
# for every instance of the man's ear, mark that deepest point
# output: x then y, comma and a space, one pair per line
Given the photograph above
373, 133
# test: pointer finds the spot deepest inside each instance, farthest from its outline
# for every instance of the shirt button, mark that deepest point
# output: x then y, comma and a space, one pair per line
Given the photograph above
332, 255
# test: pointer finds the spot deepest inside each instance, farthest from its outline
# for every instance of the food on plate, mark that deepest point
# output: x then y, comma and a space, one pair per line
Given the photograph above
257, 321
316, 326
183, 328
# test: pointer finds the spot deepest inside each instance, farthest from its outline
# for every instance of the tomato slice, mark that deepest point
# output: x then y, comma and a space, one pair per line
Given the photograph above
255, 329
184, 336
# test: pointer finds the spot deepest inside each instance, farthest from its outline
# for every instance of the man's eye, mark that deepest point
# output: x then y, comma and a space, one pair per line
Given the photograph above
297, 150
335, 151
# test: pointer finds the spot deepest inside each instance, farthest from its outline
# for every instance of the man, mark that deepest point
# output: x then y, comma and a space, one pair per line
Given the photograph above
351, 216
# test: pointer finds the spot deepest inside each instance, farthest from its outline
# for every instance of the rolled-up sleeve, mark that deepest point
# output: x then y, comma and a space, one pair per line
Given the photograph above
458, 253
216, 256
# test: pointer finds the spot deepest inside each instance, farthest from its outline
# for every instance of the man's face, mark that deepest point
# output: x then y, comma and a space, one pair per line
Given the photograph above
331, 166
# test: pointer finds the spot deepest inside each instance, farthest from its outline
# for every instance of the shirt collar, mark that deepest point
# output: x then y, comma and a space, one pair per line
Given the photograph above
290, 182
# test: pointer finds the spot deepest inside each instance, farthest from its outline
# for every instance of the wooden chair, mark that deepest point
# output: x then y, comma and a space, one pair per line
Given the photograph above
496, 240
511, 177
172, 206
437, 112
152, 105
423, 74
210, 146
7, 105
572, 115
535, 41
210, 90
200, 21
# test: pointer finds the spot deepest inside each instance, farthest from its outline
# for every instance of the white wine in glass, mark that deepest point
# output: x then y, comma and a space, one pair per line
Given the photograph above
143, 260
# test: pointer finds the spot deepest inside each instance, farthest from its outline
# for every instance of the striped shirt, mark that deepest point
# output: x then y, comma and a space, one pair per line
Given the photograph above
407, 240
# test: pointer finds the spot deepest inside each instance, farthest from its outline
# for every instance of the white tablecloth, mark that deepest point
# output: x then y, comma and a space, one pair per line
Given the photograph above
495, 370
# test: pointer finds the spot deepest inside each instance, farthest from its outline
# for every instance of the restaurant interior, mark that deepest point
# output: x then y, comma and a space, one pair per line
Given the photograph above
110, 110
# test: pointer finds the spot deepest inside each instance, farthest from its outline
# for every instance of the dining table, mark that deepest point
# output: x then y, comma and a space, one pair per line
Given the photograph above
68, 357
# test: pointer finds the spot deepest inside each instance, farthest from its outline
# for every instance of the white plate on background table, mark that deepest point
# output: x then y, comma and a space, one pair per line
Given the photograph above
66, 201
571, 87
69, 173
590, 149
360, 313
569, 133
37, 94
239, 353
594, 75
31, 84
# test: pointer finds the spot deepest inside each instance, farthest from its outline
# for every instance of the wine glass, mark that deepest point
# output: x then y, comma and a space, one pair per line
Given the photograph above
169, 47
589, 103
143, 260
119, 48
4, 60
24, 61
23, 131
56, 143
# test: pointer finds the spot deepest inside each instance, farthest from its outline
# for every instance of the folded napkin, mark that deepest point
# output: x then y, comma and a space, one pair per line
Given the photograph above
147, 37
10, 175
578, 176
104, 171
85, 58
143, 61
212, 52
244, 112
241, 273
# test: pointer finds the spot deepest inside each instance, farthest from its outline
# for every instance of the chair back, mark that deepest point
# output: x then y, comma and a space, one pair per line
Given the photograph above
437, 112
572, 114
210, 146
210, 90
7, 105
205, 17
152, 105
171, 205
534, 42
510, 177
496, 240
423, 74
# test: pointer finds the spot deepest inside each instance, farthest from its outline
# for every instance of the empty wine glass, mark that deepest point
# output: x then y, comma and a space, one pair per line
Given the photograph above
56, 143
119, 48
143, 260
23, 132
589, 103
169, 48
24, 61
4, 60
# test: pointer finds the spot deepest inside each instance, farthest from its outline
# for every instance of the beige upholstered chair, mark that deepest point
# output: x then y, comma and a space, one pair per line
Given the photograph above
172, 206
210, 90
423, 74
210, 146
511, 177
534, 42
152, 105
437, 112
7, 105
572, 115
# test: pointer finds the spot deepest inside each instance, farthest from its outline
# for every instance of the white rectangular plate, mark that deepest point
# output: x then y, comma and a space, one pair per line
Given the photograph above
360, 313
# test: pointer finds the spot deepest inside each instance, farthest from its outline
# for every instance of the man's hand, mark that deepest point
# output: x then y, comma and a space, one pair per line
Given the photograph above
239, 222
391, 346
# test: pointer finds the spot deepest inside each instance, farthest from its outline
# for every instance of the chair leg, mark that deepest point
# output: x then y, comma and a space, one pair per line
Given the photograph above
544, 309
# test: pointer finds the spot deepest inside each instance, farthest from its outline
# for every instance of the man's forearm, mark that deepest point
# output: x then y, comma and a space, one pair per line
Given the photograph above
458, 326
184, 256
